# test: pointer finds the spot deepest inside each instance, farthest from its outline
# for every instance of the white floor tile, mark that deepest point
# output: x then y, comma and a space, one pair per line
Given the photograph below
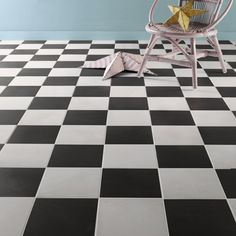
40, 64
214, 118
89, 103
130, 118
55, 91
131, 217
25, 155
187, 72
6, 51
232, 204
158, 65
126, 46
77, 46
49, 52
100, 51
161, 81
72, 57
28, 81
176, 135
65, 72
128, 91
9, 71
43, 117
5, 132
190, 184
92, 81
222, 156
14, 215
29, 46
201, 92
129, 156
103, 41
71, 183
223, 81
81, 134
57, 42
212, 65
231, 103
18, 58
15, 103
163, 103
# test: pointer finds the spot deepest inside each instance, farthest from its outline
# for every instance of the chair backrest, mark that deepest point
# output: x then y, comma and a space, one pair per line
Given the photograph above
211, 6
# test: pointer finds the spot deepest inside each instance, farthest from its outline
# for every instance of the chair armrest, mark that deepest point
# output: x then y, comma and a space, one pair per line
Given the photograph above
220, 18
152, 11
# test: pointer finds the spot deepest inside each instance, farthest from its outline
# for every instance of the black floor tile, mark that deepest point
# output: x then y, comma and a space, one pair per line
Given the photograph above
61, 81
164, 92
133, 51
8, 46
233, 64
92, 91
163, 72
157, 46
182, 157
129, 135
50, 103
207, 104
85, 118
53, 46
12, 64
218, 72
62, 217
10, 117
227, 91
94, 57
92, 72
68, 64
20, 91
128, 104
218, 135
130, 183
34, 134
75, 51
229, 52
228, 181
80, 41
199, 217
34, 72
24, 52
5, 80
102, 46
126, 41
45, 57
171, 118
2, 57
187, 81
127, 81
19, 182
34, 41
76, 156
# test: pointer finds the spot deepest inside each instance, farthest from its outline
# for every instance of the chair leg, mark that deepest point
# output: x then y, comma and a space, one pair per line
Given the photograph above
150, 46
194, 63
216, 46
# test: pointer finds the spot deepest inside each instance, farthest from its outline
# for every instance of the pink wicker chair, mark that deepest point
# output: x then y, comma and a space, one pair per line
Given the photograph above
200, 26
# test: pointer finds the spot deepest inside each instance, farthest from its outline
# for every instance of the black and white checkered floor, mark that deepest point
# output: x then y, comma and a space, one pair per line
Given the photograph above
122, 157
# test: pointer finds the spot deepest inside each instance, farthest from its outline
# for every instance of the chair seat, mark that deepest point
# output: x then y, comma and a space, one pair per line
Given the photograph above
195, 29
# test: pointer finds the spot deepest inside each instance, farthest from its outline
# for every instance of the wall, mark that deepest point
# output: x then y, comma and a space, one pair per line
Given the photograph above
85, 19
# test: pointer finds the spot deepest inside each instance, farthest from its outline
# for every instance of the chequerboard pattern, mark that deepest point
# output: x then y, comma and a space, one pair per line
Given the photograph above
121, 157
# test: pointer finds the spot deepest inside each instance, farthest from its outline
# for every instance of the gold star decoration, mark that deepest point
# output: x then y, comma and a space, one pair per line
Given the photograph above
183, 14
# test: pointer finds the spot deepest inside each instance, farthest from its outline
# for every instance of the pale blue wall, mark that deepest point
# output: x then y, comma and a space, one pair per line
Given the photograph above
85, 19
